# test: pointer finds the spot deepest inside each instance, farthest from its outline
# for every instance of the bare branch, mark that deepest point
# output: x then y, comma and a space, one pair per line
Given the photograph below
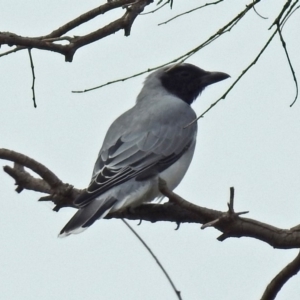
167, 1
257, 58
237, 80
119, 80
189, 11
33, 78
177, 210
283, 43
62, 194
237, 227
221, 31
289, 62
47, 42
289, 15
25, 180
16, 49
32, 164
284, 8
185, 56
154, 10
265, 18
231, 200
177, 292
21, 42
231, 214
281, 279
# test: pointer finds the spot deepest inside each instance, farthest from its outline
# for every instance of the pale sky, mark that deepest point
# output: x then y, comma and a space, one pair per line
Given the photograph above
249, 141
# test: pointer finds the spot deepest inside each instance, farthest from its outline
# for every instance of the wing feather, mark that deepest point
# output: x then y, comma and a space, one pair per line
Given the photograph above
138, 154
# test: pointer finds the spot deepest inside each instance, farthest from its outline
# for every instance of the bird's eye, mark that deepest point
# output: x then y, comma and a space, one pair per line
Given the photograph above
184, 74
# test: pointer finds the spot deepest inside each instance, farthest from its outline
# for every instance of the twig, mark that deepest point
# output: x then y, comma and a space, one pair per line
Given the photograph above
177, 292
154, 10
189, 11
258, 13
284, 8
283, 43
289, 15
236, 81
281, 278
117, 80
160, 1
229, 216
16, 49
245, 71
183, 57
231, 200
33, 77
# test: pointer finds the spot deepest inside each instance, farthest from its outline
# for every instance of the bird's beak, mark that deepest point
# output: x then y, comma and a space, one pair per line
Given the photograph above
213, 77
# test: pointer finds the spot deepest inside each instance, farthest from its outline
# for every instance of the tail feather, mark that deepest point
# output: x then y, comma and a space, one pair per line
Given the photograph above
87, 215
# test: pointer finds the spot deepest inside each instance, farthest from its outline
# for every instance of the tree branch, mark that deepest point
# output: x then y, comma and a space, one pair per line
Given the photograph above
281, 279
177, 210
279, 21
190, 11
184, 57
238, 79
154, 10
33, 78
283, 43
62, 194
176, 291
47, 42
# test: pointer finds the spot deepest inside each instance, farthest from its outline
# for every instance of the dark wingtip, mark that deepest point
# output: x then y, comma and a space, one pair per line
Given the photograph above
87, 215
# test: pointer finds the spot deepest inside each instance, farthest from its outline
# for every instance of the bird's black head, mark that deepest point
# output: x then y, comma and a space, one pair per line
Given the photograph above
187, 81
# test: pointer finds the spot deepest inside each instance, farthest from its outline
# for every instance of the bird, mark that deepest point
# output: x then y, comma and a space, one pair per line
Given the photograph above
148, 142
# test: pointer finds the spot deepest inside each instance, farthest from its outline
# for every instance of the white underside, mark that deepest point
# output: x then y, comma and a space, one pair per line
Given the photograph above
148, 190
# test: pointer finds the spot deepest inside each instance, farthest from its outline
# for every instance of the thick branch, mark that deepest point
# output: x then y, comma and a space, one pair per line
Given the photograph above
177, 210
32, 164
239, 227
25, 180
11, 39
281, 279
62, 194
100, 10
47, 42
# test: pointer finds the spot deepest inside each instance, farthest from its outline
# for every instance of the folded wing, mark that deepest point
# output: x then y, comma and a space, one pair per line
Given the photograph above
137, 155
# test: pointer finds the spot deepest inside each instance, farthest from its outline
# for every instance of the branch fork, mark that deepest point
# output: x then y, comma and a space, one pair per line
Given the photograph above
177, 210
47, 42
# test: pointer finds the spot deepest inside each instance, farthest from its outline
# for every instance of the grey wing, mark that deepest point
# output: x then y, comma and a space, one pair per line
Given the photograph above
139, 155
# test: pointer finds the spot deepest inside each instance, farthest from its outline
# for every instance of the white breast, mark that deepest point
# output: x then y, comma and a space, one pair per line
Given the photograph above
174, 174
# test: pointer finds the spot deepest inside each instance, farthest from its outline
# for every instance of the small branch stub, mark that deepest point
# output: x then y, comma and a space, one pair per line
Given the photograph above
227, 217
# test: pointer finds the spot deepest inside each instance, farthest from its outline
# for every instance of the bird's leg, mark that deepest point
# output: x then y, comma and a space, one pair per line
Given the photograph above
163, 188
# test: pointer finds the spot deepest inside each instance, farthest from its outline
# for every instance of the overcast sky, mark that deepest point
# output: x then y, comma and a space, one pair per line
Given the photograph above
249, 141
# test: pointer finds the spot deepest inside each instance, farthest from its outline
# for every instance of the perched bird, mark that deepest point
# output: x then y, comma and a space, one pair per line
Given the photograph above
147, 142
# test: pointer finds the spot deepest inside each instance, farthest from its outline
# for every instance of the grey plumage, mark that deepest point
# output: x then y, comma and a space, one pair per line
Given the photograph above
148, 141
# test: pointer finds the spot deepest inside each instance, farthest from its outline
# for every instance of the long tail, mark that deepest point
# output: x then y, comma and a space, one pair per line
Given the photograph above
87, 215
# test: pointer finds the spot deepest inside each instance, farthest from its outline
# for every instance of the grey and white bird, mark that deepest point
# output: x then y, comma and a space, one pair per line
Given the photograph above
147, 142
